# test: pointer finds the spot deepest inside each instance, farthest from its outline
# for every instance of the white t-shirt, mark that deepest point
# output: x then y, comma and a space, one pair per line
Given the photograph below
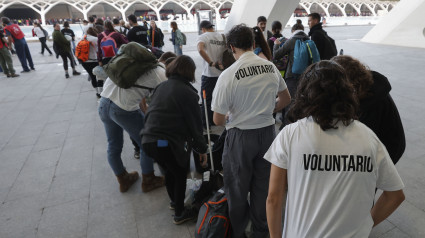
247, 90
93, 47
39, 32
214, 45
129, 99
332, 176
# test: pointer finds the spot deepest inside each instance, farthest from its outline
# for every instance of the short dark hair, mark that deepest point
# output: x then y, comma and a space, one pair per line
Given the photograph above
5, 20
240, 36
182, 66
66, 24
116, 21
315, 15
91, 19
325, 93
166, 56
261, 19
99, 21
168, 61
85, 21
276, 26
132, 18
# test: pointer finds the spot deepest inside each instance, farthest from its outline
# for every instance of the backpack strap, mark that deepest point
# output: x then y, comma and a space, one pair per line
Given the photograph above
143, 87
103, 33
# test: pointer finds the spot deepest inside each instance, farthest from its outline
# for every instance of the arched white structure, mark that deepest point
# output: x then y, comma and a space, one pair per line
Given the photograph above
403, 26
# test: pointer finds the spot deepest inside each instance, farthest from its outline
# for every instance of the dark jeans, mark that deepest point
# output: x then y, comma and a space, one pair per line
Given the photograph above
44, 45
175, 175
65, 57
208, 84
24, 54
89, 66
292, 84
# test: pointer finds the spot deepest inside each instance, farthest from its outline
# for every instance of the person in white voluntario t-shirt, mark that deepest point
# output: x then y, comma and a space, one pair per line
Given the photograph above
328, 165
247, 92
211, 46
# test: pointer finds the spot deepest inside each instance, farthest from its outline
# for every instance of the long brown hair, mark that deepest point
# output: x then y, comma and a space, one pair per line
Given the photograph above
261, 42
325, 93
173, 25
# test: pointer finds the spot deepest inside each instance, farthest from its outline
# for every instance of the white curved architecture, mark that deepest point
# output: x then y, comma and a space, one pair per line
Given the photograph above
404, 26
42, 7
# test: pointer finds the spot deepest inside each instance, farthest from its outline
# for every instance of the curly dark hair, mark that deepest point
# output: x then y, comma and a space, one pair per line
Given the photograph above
358, 74
240, 36
325, 94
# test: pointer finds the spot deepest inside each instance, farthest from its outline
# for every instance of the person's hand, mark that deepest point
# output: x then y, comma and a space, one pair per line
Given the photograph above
181, 47
277, 42
204, 160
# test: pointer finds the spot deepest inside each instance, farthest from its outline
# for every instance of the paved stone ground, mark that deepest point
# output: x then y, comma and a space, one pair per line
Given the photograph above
55, 180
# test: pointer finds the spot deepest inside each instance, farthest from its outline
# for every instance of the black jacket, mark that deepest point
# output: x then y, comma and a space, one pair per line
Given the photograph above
174, 115
158, 38
324, 46
379, 113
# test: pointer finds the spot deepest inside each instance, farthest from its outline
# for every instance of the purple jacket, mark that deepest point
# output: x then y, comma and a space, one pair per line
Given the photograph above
119, 39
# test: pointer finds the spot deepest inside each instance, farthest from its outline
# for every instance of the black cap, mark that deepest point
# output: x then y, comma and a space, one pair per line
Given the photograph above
205, 24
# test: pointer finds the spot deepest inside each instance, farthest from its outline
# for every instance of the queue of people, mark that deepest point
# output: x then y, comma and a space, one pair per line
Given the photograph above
340, 138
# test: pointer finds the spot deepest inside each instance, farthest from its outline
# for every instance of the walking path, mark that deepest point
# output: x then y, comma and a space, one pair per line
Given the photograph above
55, 180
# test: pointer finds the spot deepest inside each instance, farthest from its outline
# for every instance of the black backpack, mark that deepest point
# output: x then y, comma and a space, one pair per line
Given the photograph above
213, 218
330, 50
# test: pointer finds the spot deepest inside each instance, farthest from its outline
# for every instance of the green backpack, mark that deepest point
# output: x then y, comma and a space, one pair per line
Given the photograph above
184, 39
132, 61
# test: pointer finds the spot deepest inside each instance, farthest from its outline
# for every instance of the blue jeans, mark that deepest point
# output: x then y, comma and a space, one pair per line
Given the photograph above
116, 120
24, 54
177, 50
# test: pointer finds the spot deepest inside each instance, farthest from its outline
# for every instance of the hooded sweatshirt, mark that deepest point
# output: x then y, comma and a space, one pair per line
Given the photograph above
379, 112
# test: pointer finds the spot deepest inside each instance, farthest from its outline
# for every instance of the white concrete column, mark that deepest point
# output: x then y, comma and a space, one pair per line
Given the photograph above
43, 17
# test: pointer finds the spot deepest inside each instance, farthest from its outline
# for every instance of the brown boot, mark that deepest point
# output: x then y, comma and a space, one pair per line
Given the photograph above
150, 182
126, 180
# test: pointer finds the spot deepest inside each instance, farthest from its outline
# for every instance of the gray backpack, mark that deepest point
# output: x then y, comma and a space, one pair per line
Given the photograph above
213, 217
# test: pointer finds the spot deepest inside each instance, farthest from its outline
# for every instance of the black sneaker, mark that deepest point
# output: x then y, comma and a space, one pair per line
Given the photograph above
137, 154
32, 68
25, 71
66, 75
98, 96
187, 215
172, 205
76, 73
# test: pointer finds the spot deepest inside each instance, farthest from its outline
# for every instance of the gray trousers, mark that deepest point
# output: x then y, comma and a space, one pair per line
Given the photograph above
245, 171
6, 62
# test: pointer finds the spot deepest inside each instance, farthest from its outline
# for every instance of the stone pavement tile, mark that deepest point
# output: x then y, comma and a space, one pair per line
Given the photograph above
67, 188
76, 161
49, 142
409, 219
64, 107
39, 160
381, 229
55, 128
60, 116
64, 220
31, 183
81, 128
116, 220
395, 233
20, 217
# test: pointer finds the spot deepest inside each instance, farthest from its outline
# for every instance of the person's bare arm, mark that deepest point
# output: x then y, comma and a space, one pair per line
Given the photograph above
283, 100
219, 119
203, 53
9, 41
143, 106
387, 203
277, 191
